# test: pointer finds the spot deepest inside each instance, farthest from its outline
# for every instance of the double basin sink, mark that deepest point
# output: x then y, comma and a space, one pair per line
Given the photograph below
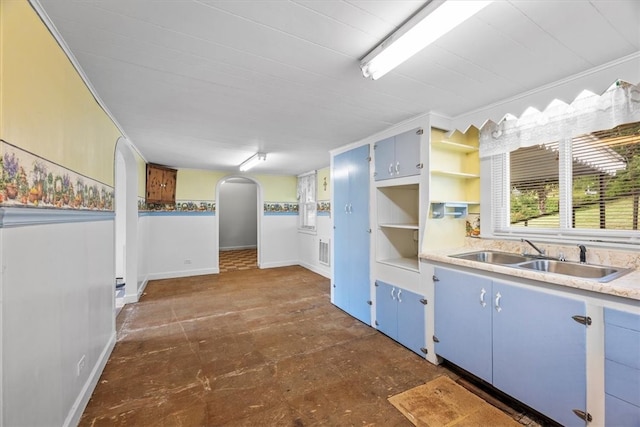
599, 273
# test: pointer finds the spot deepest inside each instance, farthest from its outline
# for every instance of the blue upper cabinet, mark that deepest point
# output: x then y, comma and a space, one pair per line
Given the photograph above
351, 242
398, 156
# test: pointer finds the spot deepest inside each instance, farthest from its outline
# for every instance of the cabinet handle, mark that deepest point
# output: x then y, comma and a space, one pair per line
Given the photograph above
399, 292
350, 208
397, 168
390, 168
498, 308
482, 294
393, 297
346, 208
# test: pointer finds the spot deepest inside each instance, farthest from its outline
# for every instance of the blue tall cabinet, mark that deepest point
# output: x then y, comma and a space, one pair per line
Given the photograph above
352, 233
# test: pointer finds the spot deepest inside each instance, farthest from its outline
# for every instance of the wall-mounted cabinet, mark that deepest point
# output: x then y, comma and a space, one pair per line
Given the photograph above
161, 184
398, 156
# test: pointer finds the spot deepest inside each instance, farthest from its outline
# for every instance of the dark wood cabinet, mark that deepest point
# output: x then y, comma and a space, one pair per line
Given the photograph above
161, 184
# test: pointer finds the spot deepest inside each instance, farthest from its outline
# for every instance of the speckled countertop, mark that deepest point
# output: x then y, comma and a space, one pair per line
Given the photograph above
626, 286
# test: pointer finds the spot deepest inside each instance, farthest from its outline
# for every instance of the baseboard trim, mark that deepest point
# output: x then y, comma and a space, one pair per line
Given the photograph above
187, 273
321, 271
73, 418
237, 248
278, 264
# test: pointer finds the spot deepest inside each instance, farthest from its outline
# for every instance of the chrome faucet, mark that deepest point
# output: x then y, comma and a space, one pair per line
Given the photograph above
583, 254
540, 251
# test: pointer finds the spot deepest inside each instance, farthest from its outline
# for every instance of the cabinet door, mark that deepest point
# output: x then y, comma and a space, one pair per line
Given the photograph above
341, 263
387, 309
539, 351
463, 321
411, 318
155, 181
385, 159
359, 235
169, 189
407, 154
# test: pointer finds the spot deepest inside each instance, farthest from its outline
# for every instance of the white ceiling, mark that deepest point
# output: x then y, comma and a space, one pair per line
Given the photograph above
205, 83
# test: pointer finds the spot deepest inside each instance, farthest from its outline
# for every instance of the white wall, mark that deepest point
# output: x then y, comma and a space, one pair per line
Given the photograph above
308, 246
179, 244
57, 307
238, 215
279, 241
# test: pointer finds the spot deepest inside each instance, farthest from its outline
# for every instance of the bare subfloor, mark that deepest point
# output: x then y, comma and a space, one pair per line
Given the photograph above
251, 348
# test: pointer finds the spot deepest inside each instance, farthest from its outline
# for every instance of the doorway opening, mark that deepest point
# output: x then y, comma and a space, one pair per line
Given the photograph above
238, 208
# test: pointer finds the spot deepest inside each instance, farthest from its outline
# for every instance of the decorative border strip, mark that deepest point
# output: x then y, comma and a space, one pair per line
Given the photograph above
28, 180
280, 208
21, 217
193, 206
176, 213
324, 208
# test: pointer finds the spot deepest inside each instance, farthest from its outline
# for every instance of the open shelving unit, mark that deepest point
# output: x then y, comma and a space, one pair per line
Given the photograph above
398, 225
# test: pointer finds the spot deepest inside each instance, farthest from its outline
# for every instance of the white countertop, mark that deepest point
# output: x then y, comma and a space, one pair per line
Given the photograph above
627, 286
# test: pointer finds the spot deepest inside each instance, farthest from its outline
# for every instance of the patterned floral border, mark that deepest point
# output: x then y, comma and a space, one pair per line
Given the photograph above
30, 180
280, 208
180, 206
324, 208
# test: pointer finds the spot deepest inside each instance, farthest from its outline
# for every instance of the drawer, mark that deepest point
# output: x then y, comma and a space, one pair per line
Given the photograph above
622, 318
622, 345
622, 382
620, 413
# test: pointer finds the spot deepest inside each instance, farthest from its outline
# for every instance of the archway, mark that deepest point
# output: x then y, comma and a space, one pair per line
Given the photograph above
126, 218
242, 222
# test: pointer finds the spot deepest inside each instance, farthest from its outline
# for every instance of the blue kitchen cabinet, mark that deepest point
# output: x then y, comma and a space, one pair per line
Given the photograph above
523, 341
622, 368
351, 234
398, 156
400, 314
463, 321
540, 351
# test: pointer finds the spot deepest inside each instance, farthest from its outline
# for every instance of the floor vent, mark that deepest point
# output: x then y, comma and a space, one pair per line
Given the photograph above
323, 253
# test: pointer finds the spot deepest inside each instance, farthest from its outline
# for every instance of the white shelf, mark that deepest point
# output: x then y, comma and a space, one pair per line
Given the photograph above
410, 264
468, 202
451, 174
407, 182
453, 146
397, 225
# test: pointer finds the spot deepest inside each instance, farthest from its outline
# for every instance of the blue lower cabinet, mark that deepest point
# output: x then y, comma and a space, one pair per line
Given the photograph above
622, 368
523, 341
400, 314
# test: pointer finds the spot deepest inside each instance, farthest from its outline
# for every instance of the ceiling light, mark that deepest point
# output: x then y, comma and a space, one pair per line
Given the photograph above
253, 161
436, 19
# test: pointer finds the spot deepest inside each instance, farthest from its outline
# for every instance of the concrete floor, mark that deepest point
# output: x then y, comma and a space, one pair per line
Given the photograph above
251, 348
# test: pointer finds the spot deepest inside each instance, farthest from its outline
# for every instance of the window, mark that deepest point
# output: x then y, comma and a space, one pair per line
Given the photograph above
564, 173
307, 204
603, 189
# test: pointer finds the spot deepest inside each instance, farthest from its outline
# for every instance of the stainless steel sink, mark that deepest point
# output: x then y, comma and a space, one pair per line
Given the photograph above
493, 257
600, 273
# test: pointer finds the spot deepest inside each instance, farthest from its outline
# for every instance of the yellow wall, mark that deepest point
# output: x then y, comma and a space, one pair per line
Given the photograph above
45, 107
197, 184
324, 174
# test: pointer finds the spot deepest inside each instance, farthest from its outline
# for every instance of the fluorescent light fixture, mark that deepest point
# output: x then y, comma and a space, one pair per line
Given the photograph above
433, 21
253, 161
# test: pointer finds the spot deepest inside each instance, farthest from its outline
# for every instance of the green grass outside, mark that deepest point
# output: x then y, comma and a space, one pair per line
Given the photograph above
619, 216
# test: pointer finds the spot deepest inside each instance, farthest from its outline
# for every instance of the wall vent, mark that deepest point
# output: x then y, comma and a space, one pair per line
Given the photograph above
323, 252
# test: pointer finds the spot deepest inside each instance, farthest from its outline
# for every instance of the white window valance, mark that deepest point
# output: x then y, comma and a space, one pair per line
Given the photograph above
588, 113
